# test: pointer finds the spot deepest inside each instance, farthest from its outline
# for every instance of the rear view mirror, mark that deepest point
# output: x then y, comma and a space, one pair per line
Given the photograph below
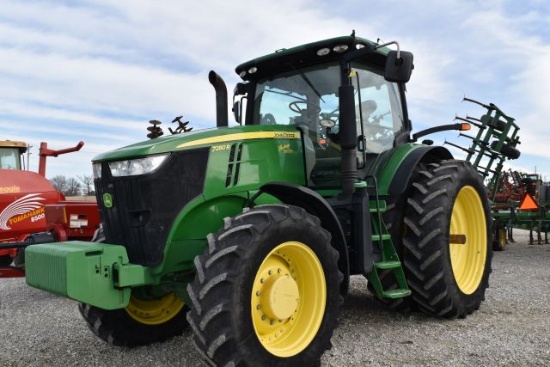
399, 66
238, 111
239, 94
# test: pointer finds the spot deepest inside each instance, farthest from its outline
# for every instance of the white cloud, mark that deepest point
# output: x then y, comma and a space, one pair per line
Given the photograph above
100, 69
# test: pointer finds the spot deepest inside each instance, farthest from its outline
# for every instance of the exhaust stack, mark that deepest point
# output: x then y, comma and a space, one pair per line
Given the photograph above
221, 98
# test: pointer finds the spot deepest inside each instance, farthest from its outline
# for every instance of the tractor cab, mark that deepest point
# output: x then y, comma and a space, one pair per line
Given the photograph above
11, 153
301, 87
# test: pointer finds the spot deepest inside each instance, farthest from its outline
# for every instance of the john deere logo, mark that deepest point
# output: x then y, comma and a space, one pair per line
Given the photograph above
107, 200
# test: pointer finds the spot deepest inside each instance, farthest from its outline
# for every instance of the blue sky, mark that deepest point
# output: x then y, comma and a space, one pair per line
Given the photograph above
97, 71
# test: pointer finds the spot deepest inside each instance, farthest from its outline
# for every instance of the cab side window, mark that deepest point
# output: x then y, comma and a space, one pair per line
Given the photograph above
378, 111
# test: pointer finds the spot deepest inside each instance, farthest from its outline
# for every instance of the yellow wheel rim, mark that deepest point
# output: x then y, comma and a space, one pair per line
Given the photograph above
468, 240
154, 312
288, 299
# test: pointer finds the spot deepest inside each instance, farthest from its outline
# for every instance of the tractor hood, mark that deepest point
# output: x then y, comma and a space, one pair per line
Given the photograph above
198, 139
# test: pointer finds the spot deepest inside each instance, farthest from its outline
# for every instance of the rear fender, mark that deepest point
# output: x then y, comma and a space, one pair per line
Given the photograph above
395, 176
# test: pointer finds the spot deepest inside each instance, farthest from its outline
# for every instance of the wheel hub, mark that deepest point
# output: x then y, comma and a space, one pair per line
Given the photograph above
288, 299
156, 311
280, 297
468, 240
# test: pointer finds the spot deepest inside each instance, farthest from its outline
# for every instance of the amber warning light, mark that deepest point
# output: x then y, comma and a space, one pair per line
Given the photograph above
465, 126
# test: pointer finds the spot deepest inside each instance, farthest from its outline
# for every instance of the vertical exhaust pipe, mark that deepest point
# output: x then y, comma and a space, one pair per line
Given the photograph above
221, 98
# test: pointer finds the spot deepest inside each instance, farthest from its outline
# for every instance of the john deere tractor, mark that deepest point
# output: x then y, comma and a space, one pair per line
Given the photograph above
249, 234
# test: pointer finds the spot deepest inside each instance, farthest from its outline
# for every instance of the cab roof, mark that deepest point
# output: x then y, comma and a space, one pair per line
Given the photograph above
328, 50
13, 144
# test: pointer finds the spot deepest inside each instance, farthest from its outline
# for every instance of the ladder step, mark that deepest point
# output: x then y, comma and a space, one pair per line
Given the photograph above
380, 206
387, 265
376, 237
397, 293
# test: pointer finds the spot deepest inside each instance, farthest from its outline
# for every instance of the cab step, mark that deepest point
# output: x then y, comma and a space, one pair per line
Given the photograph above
397, 293
378, 238
393, 266
387, 265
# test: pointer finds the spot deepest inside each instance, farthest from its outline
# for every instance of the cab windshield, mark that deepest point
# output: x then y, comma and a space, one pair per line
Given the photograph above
308, 99
9, 159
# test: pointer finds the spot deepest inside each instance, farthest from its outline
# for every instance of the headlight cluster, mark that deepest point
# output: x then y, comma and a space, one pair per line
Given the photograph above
134, 167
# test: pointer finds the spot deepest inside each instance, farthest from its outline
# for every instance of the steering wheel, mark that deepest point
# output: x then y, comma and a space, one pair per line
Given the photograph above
294, 107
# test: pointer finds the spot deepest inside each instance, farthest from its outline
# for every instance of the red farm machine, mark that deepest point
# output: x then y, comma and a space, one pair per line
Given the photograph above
521, 201
32, 211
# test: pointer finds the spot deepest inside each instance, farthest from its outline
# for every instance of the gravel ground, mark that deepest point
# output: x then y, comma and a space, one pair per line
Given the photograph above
512, 327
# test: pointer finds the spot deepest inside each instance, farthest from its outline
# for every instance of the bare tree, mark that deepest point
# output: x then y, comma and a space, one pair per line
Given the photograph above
88, 184
73, 187
68, 187
59, 182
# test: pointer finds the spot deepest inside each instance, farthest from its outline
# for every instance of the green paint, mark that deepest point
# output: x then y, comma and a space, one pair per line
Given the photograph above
92, 273
240, 160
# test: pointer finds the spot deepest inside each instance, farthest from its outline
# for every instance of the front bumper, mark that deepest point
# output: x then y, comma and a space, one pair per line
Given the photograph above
94, 273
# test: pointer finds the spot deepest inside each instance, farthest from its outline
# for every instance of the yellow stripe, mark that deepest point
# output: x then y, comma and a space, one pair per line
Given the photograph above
242, 136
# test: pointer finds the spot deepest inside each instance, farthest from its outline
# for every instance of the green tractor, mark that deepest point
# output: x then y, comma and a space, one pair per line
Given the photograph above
249, 234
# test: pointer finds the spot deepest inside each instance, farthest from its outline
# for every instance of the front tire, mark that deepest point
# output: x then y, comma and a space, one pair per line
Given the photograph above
266, 290
448, 240
142, 322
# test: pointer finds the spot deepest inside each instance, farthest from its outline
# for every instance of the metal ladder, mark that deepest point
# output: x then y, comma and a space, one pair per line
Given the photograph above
389, 260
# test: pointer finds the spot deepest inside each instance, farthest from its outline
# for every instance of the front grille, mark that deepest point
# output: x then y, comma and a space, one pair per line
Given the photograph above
144, 207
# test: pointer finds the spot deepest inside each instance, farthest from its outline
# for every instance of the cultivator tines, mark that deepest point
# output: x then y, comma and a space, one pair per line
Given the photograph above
516, 177
496, 141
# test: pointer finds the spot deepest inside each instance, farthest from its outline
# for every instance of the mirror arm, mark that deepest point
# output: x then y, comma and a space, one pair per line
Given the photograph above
390, 43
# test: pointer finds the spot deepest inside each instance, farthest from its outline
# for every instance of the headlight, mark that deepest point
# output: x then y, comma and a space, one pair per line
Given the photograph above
139, 166
96, 168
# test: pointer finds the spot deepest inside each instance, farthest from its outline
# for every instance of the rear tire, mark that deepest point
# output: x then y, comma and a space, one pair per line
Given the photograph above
267, 290
142, 322
448, 240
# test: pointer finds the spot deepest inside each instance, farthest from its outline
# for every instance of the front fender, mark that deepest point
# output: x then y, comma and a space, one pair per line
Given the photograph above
187, 237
